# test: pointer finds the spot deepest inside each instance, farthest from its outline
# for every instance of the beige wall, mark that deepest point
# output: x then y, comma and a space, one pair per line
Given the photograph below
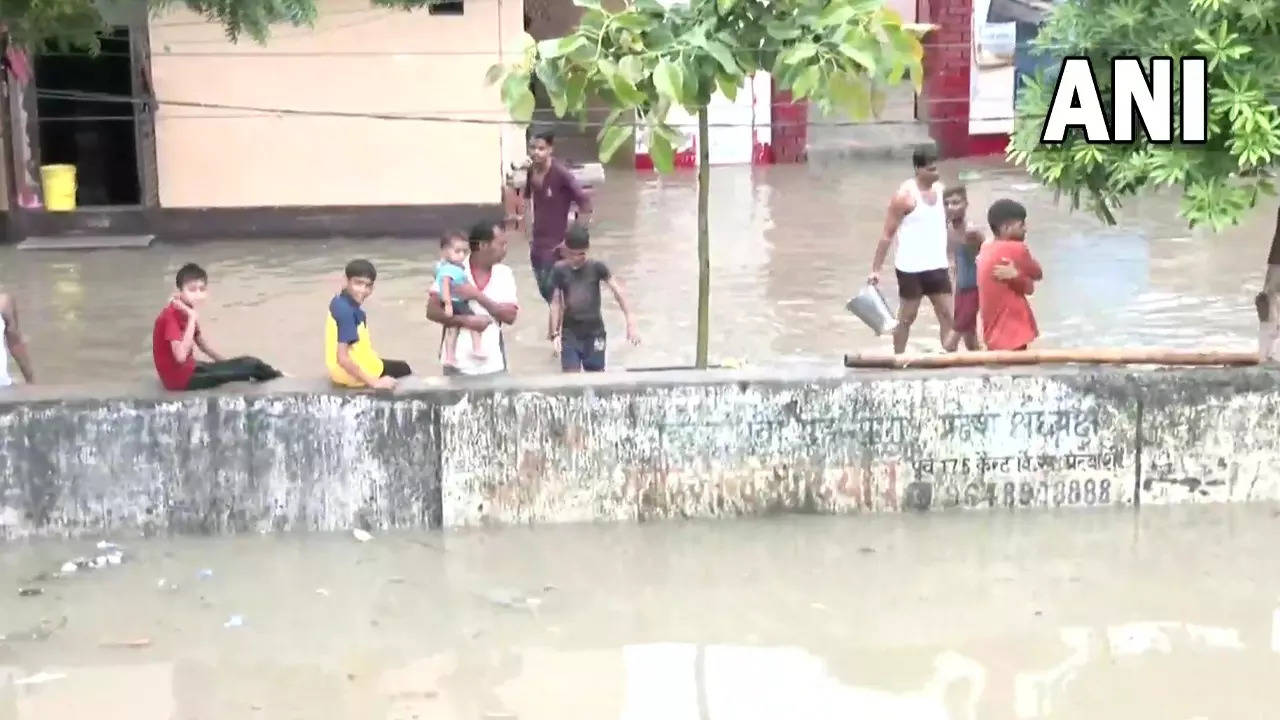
356, 59
905, 8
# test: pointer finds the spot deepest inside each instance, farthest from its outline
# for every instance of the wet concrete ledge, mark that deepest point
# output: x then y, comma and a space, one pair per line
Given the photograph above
296, 454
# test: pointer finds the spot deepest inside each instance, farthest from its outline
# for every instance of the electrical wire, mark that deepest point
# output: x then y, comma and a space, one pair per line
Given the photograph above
259, 112
450, 53
91, 96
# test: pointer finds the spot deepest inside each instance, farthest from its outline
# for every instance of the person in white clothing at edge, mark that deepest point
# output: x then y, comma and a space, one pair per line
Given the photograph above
14, 344
491, 290
917, 218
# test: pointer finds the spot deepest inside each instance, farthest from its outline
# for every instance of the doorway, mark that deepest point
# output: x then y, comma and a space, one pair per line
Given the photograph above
98, 136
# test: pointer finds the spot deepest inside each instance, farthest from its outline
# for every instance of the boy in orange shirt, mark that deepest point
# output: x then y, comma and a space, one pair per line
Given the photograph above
1007, 274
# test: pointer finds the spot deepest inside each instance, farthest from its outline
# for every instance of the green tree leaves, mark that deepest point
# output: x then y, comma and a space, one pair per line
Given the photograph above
668, 80
650, 58
1220, 180
518, 97
611, 140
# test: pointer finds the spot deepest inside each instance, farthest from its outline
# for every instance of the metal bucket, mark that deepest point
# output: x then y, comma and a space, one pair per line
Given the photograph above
871, 308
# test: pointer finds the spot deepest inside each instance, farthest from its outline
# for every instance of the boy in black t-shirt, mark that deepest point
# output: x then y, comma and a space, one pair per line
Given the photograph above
576, 327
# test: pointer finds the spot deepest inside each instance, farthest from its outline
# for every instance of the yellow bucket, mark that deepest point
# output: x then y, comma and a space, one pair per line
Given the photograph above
59, 187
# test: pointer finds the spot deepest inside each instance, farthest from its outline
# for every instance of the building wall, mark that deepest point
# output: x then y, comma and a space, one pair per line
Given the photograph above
355, 60
635, 446
945, 101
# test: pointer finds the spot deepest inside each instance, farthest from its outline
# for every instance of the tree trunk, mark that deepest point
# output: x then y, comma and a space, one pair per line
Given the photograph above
1267, 303
704, 244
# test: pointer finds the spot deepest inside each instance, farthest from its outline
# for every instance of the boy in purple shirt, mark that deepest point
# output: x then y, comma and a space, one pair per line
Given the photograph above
553, 189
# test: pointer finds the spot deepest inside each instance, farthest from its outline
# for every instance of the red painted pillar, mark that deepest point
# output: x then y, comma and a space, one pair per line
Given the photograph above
945, 101
790, 120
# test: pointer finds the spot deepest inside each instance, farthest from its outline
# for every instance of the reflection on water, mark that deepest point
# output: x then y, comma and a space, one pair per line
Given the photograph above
1104, 615
789, 245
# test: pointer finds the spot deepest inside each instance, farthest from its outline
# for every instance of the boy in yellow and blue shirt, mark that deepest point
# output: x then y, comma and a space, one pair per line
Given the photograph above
348, 349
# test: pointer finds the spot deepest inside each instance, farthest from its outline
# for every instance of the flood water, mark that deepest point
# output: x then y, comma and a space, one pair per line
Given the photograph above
789, 245
1170, 613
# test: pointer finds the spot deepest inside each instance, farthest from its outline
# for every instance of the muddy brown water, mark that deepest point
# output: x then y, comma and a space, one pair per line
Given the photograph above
1107, 615
789, 245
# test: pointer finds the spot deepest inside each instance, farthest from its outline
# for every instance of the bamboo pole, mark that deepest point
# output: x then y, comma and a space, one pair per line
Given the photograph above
1085, 356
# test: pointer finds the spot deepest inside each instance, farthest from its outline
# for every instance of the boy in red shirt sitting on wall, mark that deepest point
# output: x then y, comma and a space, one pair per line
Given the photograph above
176, 336
1007, 274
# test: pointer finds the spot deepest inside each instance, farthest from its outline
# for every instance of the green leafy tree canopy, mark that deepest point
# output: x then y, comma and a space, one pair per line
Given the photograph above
1218, 181
645, 59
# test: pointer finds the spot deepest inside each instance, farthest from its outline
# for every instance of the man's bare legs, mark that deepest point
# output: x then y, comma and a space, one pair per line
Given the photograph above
942, 307
906, 315
970, 340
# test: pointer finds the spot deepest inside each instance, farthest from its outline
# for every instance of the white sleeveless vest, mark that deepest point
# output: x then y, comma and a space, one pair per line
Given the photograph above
922, 236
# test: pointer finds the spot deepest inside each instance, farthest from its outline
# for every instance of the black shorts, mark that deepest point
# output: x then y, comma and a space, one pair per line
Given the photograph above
912, 286
462, 307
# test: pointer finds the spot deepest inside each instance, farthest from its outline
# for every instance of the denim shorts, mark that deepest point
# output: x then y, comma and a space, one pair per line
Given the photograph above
582, 353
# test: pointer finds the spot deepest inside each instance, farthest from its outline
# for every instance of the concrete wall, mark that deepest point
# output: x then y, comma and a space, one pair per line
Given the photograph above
636, 447
356, 59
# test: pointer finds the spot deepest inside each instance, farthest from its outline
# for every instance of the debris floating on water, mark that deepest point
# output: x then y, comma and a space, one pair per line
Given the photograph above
39, 678
113, 556
136, 643
513, 599
205, 574
322, 592
234, 621
30, 591
361, 535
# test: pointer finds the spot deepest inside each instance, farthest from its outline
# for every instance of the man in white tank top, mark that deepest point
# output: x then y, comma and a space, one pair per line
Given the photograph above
14, 344
917, 219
